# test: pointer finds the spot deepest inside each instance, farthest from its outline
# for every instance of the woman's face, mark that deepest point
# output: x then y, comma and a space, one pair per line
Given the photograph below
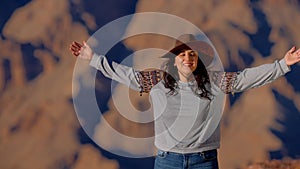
186, 62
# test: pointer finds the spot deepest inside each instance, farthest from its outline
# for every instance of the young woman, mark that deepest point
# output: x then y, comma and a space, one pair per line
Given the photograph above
182, 94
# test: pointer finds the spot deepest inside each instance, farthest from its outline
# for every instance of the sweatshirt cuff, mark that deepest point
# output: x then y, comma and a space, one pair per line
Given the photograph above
284, 66
95, 60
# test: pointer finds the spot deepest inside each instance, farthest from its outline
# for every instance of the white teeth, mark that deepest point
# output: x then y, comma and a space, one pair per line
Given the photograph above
187, 64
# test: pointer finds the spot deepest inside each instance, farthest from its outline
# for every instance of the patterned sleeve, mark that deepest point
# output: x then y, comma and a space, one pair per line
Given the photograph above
224, 80
231, 82
148, 78
141, 81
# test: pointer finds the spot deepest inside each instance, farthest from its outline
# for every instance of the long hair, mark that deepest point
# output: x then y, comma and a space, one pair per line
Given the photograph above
170, 77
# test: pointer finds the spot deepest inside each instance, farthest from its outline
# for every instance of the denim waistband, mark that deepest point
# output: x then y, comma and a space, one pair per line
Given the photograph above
187, 154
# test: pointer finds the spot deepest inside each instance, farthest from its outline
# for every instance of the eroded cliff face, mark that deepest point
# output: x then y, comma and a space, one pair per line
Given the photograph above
39, 128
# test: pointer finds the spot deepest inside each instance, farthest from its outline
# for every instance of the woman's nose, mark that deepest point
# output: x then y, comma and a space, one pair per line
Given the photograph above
187, 56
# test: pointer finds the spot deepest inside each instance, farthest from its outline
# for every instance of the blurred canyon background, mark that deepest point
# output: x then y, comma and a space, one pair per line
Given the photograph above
38, 124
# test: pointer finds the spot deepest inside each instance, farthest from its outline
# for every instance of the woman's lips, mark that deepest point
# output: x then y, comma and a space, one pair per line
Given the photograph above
188, 64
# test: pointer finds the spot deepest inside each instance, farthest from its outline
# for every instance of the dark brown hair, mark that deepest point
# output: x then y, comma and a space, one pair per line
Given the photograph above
170, 77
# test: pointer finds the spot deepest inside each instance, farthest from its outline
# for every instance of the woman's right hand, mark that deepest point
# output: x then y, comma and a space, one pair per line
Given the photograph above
81, 51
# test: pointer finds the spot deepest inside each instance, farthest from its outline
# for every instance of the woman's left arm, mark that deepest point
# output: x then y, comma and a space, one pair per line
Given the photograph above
232, 82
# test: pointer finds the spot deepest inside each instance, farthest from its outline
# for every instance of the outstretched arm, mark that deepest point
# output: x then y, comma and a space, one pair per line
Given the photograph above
231, 82
141, 81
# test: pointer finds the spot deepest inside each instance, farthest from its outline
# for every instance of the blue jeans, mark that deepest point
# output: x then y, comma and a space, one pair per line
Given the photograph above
170, 160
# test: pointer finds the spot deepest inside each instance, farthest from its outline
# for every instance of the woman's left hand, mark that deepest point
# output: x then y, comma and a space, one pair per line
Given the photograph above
292, 56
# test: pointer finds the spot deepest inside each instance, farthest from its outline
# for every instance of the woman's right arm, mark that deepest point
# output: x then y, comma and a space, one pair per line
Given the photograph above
120, 73
141, 81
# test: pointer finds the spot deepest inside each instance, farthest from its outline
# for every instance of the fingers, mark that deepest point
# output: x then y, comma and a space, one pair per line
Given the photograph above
75, 52
298, 52
75, 48
295, 52
292, 50
78, 44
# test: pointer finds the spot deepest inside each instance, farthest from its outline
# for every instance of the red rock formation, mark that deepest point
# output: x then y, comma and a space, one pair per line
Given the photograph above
38, 125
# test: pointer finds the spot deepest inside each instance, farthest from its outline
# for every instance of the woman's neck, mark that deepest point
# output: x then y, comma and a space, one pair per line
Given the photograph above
186, 78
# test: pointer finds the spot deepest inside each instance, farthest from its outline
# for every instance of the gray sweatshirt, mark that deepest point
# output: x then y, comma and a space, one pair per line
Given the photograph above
184, 122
